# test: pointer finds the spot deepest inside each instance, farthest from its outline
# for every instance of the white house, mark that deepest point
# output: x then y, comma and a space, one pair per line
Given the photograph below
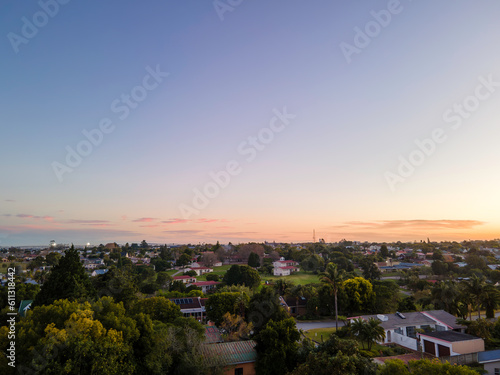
200, 270
206, 286
284, 267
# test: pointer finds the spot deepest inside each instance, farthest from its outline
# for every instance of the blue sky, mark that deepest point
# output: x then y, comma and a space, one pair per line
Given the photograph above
333, 168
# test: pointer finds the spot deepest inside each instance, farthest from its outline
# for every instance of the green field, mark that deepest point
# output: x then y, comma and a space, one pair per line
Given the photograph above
315, 334
297, 278
217, 271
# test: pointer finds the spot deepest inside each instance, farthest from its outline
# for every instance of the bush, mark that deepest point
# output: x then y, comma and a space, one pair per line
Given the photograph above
212, 277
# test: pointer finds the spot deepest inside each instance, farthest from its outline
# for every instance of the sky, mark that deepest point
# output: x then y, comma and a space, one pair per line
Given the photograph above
236, 120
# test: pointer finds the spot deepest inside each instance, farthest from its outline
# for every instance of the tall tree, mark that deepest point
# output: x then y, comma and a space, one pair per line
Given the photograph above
67, 280
334, 278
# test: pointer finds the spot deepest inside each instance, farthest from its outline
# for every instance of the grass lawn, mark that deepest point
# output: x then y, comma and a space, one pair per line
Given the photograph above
221, 271
315, 334
297, 278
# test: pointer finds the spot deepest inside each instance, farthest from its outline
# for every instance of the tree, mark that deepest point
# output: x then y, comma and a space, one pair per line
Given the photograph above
183, 260
234, 327
67, 280
386, 301
144, 245
370, 269
158, 308
282, 286
384, 252
334, 279
335, 356
445, 293
490, 300
254, 260
277, 347
358, 294
242, 275
219, 304
52, 258
367, 331
474, 287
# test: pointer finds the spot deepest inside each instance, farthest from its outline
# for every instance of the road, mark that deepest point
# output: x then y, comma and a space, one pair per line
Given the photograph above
306, 326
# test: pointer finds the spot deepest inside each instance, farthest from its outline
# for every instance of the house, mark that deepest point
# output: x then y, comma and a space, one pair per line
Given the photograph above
402, 329
200, 270
99, 272
205, 286
285, 271
192, 307
295, 306
212, 335
284, 267
490, 361
450, 343
238, 357
186, 279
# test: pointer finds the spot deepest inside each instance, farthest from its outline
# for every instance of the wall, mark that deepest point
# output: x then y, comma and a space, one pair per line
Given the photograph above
248, 369
405, 341
469, 346
490, 367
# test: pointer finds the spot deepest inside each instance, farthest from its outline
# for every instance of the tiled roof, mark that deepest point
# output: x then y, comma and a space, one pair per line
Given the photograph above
212, 335
230, 353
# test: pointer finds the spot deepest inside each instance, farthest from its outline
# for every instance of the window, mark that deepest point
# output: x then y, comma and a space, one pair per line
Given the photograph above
238, 371
497, 371
410, 331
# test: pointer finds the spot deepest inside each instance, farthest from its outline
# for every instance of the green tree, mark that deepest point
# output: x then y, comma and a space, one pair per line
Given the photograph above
357, 294
184, 260
254, 260
67, 280
277, 346
384, 252
242, 275
52, 258
370, 269
218, 304
158, 308
334, 279
367, 331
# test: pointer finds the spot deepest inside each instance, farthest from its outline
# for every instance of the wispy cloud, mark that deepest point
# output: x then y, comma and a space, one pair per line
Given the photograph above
88, 222
175, 221
34, 217
9, 200
145, 220
412, 224
203, 220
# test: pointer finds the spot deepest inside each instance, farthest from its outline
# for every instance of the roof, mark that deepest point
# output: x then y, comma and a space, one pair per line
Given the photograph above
205, 283
287, 267
450, 336
393, 321
231, 353
101, 271
212, 335
444, 317
184, 277
489, 356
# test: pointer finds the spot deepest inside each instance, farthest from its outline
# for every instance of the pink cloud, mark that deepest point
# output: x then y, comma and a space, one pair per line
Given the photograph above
203, 220
144, 220
175, 221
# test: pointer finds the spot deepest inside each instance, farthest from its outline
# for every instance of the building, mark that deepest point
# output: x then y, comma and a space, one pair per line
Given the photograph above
284, 267
402, 329
206, 286
295, 306
200, 270
238, 357
192, 307
450, 343
186, 279
99, 272
490, 361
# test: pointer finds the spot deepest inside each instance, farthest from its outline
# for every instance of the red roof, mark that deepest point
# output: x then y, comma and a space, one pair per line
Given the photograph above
205, 283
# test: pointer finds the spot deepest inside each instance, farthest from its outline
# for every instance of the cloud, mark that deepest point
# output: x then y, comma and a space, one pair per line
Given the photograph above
9, 200
185, 231
35, 217
87, 222
144, 220
413, 224
175, 221
203, 220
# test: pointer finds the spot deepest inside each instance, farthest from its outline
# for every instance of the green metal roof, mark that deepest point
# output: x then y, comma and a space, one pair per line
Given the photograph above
231, 353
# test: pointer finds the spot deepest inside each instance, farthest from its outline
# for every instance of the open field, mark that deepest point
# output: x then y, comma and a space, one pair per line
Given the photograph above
315, 334
217, 271
297, 278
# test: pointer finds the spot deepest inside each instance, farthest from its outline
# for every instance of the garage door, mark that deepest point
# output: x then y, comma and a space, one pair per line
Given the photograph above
429, 347
443, 351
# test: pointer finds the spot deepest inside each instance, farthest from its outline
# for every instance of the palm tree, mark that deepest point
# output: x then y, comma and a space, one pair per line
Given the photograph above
334, 278
367, 331
474, 287
446, 293
490, 300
